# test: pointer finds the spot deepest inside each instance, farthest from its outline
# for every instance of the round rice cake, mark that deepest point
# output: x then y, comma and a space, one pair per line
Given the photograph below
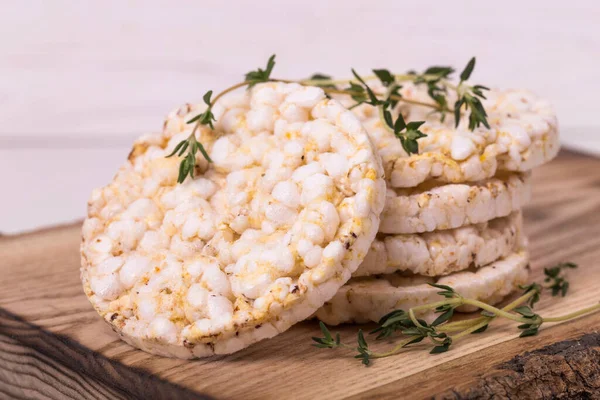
369, 298
256, 242
430, 207
444, 252
523, 134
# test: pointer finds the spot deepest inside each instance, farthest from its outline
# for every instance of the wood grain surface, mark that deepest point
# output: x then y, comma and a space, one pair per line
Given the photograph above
53, 345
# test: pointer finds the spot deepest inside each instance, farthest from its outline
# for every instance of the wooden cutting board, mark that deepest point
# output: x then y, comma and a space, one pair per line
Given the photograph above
52, 343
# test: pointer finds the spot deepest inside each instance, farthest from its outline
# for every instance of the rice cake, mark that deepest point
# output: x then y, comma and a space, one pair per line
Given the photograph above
523, 134
440, 253
256, 242
428, 207
368, 299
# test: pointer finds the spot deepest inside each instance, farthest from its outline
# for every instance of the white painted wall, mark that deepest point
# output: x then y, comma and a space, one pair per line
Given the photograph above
79, 80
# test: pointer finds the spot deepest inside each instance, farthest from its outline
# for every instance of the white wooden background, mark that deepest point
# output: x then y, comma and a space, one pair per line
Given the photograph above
79, 80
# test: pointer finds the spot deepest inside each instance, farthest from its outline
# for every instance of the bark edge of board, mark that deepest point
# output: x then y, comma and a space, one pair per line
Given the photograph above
27, 352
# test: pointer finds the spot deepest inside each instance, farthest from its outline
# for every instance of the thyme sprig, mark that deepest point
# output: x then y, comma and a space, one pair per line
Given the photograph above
468, 97
407, 133
442, 333
260, 75
206, 118
555, 279
436, 79
191, 144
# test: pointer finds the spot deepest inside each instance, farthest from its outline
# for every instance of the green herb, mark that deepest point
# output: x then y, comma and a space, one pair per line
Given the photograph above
188, 164
442, 333
469, 99
482, 329
448, 312
393, 95
447, 291
371, 98
207, 117
529, 328
407, 133
259, 75
384, 76
443, 346
363, 349
536, 289
555, 279
327, 341
320, 77
395, 321
317, 78
436, 73
357, 93
436, 79
468, 70
191, 144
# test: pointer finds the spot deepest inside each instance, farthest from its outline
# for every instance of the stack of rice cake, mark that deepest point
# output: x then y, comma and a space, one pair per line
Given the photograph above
301, 194
453, 212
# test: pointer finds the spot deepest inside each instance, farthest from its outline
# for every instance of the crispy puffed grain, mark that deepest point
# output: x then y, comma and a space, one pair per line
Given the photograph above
369, 298
253, 244
523, 134
448, 206
441, 253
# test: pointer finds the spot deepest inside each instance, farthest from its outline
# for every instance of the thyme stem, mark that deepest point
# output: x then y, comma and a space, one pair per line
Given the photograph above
572, 315
431, 306
399, 78
459, 325
414, 330
414, 319
396, 348
495, 310
393, 97
470, 330
435, 78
